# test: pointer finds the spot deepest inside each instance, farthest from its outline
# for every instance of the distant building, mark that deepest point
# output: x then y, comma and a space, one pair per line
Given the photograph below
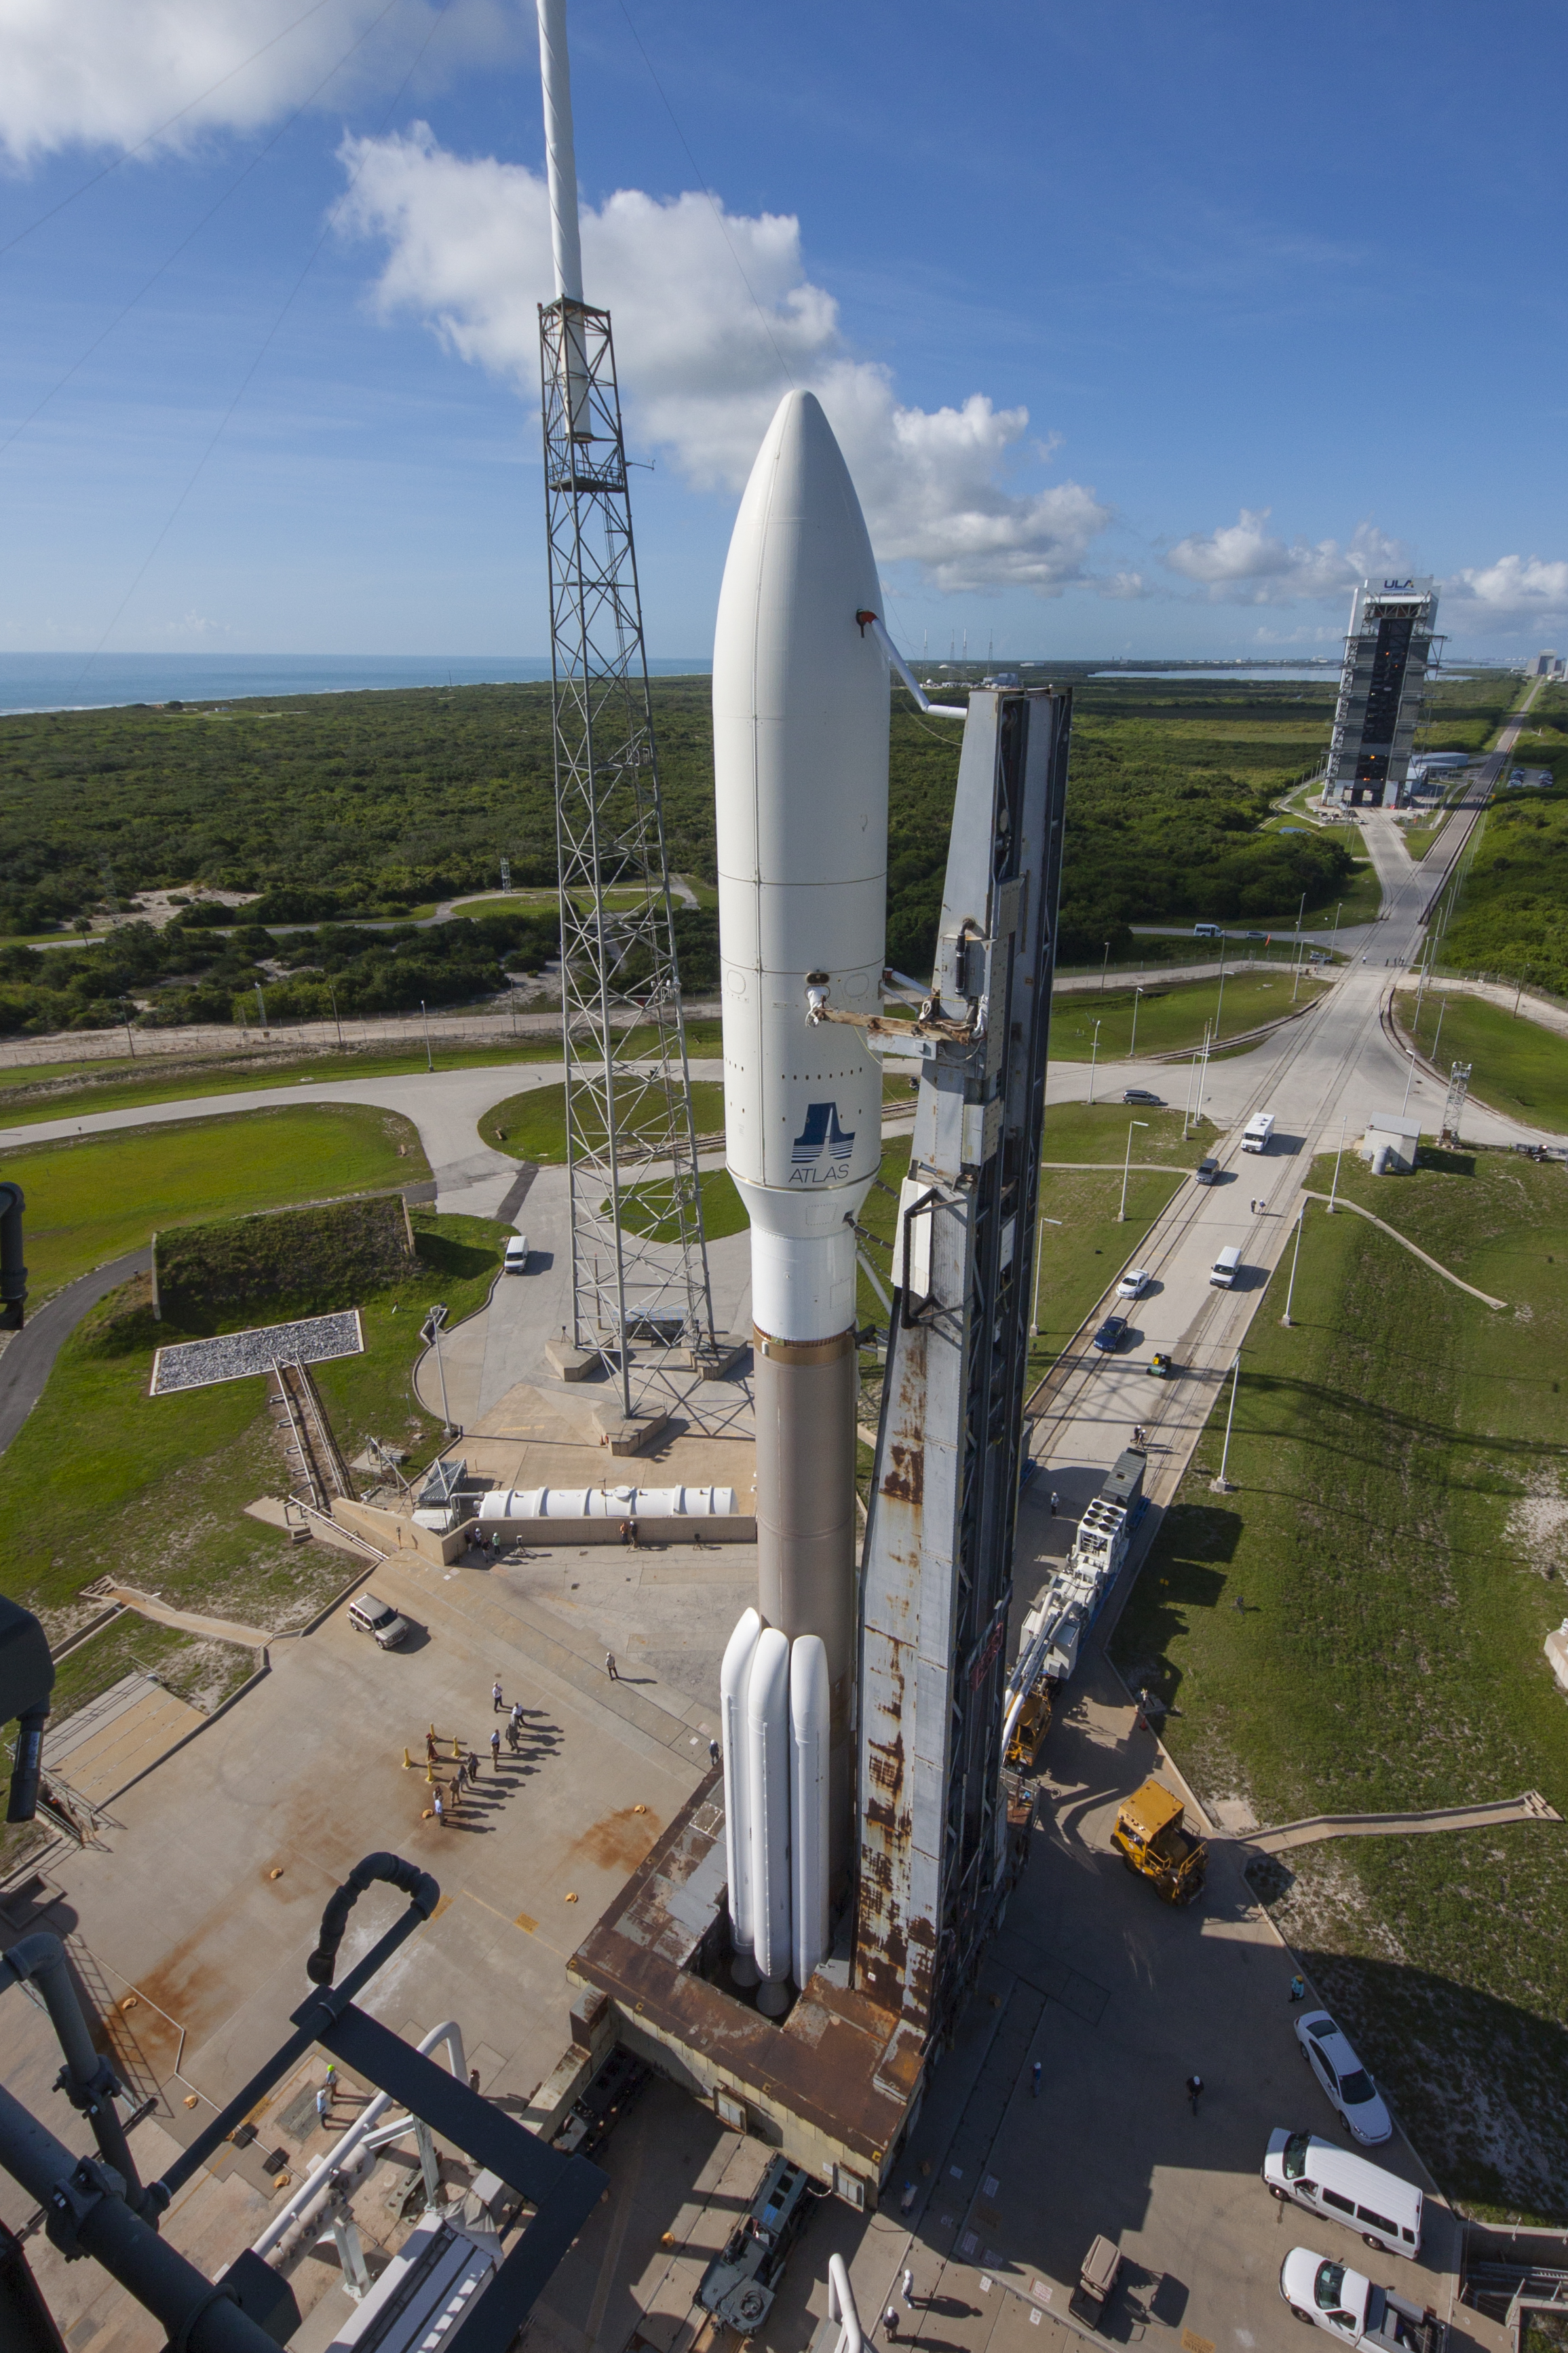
1382, 688
1546, 664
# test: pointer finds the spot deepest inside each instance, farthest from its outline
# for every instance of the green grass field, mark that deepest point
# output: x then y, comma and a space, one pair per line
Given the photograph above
1097, 1132
90, 1200
533, 1126
1358, 1628
1078, 1257
645, 1209
103, 1479
1171, 1015
1516, 1065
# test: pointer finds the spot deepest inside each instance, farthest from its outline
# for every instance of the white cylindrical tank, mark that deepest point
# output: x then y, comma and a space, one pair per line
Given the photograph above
734, 1673
809, 1715
767, 1798
606, 1502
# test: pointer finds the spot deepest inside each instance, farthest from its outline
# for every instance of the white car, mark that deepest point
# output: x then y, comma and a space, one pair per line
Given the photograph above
1355, 2308
1134, 1282
516, 1259
1350, 2088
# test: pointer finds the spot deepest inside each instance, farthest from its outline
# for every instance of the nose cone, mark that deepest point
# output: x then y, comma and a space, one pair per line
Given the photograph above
800, 696
800, 748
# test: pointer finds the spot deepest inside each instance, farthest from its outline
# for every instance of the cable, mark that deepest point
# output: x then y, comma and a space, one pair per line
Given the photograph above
200, 99
707, 196
260, 156
440, 18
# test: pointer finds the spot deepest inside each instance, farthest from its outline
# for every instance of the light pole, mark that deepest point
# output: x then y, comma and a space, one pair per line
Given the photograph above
1295, 1259
125, 1016
1192, 1074
1409, 1077
1093, 1053
337, 1025
433, 1323
1334, 1188
1104, 961
1222, 1485
1438, 1031
261, 1002
429, 1058
1039, 1261
1219, 1006
1127, 1168
1334, 934
1132, 1049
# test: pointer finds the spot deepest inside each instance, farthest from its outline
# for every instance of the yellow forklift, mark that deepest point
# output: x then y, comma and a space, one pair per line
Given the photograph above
1034, 1721
1153, 1840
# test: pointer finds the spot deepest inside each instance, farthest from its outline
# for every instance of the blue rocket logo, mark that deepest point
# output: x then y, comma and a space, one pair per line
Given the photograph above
821, 1133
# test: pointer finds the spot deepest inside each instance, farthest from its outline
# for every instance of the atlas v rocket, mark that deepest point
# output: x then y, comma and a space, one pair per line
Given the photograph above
800, 746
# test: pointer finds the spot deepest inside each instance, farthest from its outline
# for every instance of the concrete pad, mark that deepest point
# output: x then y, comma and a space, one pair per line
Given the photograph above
100, 1749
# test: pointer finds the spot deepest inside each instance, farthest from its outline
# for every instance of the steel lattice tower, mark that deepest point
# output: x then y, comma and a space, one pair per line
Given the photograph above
628, 1099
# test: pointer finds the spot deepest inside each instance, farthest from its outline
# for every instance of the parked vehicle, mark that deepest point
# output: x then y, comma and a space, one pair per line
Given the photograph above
1348, 2304
1096, 2279
1111, 1334
1141, 1095
516, 1258
1343, 2187
1134, 1282
1255, 1135
1350, 2088
1226, 1268
369, 1616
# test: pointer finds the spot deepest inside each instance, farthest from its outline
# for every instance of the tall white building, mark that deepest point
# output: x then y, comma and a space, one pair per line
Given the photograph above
1382, 688
1547, 664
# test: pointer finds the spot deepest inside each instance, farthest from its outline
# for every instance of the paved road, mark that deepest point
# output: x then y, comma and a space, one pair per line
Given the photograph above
30, 1354
1321, 1078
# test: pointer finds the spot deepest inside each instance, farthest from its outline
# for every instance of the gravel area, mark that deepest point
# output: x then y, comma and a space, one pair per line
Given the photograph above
197, 1364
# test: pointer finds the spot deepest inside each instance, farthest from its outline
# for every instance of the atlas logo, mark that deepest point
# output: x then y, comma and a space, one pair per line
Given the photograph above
821, 1137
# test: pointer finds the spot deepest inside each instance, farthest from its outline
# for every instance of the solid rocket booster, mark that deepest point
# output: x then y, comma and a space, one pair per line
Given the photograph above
800, 751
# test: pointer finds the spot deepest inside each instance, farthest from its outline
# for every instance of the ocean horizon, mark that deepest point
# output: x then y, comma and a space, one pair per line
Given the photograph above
33, 682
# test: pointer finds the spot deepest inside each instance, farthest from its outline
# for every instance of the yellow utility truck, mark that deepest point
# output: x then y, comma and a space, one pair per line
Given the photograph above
1153, 1839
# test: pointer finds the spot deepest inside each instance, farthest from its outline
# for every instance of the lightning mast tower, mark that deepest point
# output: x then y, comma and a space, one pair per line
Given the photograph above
628, 1118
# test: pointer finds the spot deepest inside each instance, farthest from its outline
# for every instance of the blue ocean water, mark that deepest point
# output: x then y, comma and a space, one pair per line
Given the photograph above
102, 682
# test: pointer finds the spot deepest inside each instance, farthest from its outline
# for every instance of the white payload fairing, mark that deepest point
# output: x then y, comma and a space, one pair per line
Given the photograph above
800, 755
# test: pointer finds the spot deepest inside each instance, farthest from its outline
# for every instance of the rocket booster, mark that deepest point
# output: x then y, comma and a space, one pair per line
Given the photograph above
800, 753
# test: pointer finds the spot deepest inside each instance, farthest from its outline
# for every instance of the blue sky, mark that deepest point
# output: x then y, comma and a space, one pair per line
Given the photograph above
1144, 330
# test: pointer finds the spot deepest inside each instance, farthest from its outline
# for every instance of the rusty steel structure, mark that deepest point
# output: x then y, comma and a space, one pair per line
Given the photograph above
937, 1583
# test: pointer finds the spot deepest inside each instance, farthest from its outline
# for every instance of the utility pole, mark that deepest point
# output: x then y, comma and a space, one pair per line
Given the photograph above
1132, 1049
1438, 1031
1127, 1169
1295, 1259
1334, 1188
1104, 963
1093, 1053
1039, 1254
1334, 936
1409, 1077
261, 1002
430, 1058
433, 1323
1219, 1006
125, 1016
1222, 1485
337, 1025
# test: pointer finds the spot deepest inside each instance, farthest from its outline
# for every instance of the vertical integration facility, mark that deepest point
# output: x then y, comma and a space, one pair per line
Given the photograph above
1381, 690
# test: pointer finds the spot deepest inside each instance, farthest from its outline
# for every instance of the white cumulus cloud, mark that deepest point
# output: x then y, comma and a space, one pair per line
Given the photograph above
1243, 563
1505, 594
120, 73
714, 318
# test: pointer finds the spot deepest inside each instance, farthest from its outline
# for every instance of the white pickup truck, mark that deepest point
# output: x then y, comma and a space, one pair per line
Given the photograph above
1352, 2308
1255, 1135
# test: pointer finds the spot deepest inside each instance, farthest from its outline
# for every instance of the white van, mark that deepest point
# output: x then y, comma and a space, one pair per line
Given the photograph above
1255, 1135
516, 1259
1208, 930
1328, 2180
1224, 1271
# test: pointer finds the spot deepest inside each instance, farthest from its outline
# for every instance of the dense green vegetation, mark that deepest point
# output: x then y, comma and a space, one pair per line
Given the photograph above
1516, 1065
346, 1248
1512, 914
363, 804
92, 1199
1358, 1628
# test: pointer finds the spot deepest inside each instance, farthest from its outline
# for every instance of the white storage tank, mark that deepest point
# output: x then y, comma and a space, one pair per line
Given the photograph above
607, 1503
